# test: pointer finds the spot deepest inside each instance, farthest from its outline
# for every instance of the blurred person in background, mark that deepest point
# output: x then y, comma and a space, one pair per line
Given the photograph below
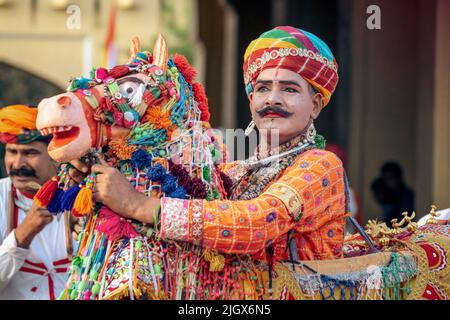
391, 192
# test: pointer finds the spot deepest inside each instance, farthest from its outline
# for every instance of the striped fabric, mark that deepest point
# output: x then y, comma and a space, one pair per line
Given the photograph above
294, 49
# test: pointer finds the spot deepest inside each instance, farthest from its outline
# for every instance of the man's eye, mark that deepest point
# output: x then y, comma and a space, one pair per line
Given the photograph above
262, 89
290, 90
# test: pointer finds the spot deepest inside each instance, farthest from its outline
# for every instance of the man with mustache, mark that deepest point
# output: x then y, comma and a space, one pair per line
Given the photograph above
286, 202
33, 250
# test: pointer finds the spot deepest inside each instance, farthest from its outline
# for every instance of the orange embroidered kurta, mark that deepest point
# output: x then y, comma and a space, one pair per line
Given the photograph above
307, 203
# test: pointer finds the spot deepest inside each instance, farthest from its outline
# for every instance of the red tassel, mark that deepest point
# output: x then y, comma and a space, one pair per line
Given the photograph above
46, 193
188, 72
119, 72
202, 100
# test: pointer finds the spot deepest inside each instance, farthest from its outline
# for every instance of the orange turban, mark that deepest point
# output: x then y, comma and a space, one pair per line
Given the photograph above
18, 125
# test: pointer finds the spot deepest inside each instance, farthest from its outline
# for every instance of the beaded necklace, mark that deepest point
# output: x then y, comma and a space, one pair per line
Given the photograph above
260, 173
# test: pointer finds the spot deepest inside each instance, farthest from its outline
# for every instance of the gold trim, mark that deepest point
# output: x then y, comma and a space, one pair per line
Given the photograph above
284, 278
289, 196
424, 275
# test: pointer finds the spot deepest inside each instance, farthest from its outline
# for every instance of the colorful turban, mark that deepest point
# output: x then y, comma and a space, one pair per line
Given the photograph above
296, 50
18, 125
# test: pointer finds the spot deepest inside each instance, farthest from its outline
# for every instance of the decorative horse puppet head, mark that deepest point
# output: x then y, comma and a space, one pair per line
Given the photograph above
147, 109
148, 118
145, 101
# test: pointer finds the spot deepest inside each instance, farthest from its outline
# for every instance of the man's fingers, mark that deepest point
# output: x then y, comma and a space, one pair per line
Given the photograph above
34, 207
80, 166
76, 175
96, 196
99, 168
47, 219
44, 213
103, 162
77, 228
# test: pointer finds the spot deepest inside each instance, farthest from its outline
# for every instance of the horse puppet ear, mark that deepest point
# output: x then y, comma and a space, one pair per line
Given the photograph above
160, 53
134, 49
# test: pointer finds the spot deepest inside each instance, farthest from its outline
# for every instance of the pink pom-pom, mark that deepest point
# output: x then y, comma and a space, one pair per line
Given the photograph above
118, 118
114, 227
101, 74
172, 92
87, 295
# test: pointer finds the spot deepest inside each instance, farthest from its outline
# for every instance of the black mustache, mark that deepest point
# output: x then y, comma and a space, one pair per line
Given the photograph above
22, 172
278, 110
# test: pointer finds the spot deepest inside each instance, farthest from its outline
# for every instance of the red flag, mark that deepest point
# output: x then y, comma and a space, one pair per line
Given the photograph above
110, 50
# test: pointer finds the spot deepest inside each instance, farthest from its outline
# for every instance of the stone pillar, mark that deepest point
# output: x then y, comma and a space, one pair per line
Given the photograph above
441, 128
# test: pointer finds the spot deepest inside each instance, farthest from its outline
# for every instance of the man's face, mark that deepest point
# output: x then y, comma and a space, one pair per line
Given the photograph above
27, 163
282, 100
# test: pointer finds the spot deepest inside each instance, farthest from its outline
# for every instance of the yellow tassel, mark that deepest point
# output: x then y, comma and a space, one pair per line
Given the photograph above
216, 260
83, 203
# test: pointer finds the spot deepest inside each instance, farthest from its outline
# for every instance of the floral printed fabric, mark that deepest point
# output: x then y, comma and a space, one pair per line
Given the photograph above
307, 199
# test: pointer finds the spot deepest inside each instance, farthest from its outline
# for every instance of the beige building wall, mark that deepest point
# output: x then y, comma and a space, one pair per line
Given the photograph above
441, 127
39, 41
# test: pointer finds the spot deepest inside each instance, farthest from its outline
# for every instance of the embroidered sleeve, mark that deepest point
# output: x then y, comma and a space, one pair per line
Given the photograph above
228, 226
247, 226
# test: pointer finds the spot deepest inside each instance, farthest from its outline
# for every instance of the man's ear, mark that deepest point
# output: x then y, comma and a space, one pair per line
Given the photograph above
317, 101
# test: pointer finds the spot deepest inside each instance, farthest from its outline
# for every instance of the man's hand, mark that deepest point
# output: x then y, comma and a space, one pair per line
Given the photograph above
76, 224
115, 191
35, 221
79, 171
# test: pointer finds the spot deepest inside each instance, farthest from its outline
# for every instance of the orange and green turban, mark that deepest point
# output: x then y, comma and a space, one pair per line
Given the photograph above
296, 50
18, 125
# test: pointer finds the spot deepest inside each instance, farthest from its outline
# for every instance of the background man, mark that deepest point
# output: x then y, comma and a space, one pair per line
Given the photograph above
34, 245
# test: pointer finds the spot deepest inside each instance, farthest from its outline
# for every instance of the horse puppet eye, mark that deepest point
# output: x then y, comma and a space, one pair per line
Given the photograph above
128, 88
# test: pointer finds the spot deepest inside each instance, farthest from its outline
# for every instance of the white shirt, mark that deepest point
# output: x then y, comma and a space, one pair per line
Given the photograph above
29, 274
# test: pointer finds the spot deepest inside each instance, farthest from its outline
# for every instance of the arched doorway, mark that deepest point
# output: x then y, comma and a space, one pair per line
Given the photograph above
21, 87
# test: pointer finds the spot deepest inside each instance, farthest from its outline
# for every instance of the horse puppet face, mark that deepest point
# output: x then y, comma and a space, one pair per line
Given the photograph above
117, 102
